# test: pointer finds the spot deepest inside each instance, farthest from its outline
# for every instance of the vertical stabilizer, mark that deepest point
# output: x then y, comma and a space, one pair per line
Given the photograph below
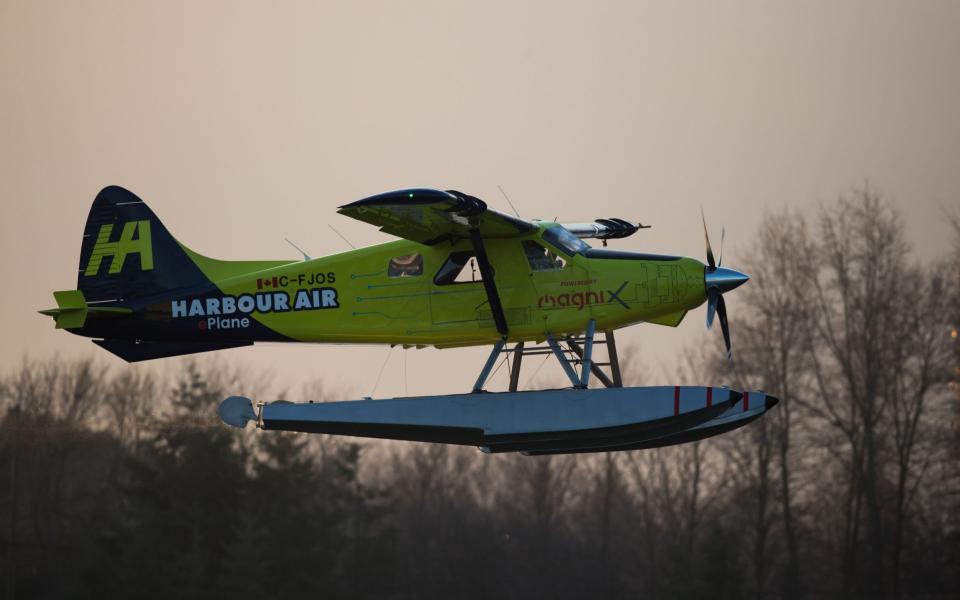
128, 253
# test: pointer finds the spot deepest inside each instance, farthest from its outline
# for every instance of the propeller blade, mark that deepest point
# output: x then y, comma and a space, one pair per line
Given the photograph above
706, 236
723, 236
712, 295
724, 326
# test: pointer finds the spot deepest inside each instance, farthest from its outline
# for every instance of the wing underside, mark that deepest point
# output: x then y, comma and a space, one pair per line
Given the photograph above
431, 216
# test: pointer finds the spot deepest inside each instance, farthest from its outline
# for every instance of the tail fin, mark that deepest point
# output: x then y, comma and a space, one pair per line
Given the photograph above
128, 253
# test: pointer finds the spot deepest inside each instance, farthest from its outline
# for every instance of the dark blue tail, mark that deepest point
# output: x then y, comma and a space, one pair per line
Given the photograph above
128, 253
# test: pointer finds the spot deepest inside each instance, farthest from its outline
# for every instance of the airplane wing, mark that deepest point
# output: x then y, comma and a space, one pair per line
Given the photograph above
432, 216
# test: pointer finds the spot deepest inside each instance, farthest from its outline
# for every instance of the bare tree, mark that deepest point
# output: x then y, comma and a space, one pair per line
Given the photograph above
862, 257
773, 334
920, 364
872, 367
679, 489
433, 490
538, 489
33, 386
129, 401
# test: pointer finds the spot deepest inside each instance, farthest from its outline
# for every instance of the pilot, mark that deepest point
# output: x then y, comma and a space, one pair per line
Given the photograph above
540, 258
410, 265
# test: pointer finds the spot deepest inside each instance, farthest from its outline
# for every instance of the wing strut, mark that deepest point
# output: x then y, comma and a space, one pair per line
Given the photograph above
486, 272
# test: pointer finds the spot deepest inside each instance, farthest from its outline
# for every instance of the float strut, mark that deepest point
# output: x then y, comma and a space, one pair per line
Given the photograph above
594, 367
515, 367
587, 361
491, 360
563, 361
614, 359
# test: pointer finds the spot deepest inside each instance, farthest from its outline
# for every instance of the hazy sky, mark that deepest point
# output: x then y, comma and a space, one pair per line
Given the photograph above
242, 123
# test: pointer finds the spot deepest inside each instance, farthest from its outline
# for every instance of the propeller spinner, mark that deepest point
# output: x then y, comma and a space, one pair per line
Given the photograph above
719, 280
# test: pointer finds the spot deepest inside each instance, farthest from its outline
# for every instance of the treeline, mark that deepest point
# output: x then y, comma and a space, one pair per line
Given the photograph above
855, 476
123, 483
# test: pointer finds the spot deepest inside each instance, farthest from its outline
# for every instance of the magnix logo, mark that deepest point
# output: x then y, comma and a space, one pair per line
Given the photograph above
581, 299
119, 249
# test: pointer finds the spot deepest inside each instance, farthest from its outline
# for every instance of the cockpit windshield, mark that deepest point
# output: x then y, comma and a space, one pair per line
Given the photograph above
563, 240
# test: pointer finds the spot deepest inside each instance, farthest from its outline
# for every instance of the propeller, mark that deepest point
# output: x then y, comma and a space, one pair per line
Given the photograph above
719, 280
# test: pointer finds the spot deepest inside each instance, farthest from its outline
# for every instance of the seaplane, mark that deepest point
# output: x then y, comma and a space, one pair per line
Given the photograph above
461, 274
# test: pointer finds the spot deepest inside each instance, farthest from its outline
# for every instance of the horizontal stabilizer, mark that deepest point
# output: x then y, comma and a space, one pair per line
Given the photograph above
72, 310
131, 351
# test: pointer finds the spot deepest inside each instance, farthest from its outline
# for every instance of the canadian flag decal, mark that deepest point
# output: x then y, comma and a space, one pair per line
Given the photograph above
266, 283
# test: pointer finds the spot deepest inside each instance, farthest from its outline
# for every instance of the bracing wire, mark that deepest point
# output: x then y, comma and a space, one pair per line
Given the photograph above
508, 200
500, 365
349, 243
537, 370
380, 374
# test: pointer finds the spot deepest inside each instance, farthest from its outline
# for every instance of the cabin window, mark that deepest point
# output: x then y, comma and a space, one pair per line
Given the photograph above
410, 265
564, 240
461, 267
541, 259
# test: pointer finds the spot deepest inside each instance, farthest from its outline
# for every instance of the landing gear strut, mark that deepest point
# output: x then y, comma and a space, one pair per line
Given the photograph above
571, 351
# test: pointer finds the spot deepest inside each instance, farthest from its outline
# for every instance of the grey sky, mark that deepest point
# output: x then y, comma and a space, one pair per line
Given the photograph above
244, 123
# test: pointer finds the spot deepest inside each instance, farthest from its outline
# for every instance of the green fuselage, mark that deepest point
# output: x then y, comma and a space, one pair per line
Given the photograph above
362, 297
459, 275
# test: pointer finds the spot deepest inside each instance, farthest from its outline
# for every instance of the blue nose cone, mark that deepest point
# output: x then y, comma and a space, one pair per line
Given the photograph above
724, 279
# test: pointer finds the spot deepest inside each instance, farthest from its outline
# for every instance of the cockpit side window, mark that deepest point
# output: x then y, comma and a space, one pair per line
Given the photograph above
461, 267
565, 241
541, 259
410, 265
